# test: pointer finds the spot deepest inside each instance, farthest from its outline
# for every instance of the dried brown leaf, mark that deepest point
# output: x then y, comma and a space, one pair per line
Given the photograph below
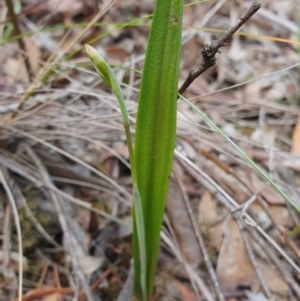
273, 279
182, 225
229, 184
207, 210
186, 293
282, 217
15, 67
259, 186
53, 297
296, 139
208, 218
234, 268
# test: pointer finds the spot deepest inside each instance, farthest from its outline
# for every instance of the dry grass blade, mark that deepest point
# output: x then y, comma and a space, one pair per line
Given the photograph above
50, 65
31, 216
51, 146
202, 247
36, 181
253, 260
65, 225
19, 232
21, 43
231, 205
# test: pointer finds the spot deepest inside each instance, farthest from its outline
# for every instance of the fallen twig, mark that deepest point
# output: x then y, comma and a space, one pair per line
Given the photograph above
209, 51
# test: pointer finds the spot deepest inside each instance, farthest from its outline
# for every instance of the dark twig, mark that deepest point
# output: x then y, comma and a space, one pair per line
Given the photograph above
209, 51
21, 43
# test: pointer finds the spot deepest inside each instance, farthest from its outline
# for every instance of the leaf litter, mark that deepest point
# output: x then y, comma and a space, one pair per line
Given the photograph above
73, 111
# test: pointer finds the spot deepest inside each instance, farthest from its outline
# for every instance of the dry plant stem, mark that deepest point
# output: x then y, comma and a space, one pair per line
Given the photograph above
38, 226
6, 241
62, 216
43, 275
225, 200
201, 285
243, 207
253, 260
94, 286
19, 196
283, 270
47, 69
19, 233
20, 41
39, 78
292, 109
201, 244
209, 51
88, 185
281, 232
228, 170
80, 136
229, 202
6, 248
39, 183
4, 283
53, 147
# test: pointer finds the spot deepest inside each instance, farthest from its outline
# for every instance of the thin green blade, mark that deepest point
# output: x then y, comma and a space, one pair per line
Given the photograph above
156, 127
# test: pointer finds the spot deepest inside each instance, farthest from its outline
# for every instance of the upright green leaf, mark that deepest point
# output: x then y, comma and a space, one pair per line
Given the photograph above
156, 129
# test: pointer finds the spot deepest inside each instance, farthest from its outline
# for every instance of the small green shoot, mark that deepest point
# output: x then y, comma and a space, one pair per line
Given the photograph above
107, 74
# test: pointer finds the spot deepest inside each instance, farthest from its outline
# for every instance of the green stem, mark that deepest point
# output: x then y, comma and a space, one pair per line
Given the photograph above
241, 152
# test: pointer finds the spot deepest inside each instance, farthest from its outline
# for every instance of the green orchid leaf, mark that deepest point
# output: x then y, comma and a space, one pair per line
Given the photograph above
156, 128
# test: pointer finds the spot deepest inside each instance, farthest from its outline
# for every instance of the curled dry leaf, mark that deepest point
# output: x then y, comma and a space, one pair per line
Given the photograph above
234, 268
